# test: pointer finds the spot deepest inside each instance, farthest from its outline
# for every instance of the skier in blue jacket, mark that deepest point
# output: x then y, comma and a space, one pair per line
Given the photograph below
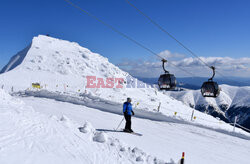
128, 112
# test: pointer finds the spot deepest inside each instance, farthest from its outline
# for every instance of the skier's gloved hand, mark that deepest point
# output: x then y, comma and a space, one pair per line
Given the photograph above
133, 113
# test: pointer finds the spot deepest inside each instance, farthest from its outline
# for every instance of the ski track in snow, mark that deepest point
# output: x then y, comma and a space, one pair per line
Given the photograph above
31, 137
113, 107
162, 139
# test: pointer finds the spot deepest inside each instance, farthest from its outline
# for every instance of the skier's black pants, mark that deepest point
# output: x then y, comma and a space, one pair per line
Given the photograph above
128, 121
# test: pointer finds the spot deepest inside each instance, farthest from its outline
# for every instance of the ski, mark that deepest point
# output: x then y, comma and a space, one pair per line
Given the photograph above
134, 133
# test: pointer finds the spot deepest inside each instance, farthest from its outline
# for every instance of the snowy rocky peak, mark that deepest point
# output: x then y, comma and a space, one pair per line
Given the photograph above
58, 56
54, 62
59, 65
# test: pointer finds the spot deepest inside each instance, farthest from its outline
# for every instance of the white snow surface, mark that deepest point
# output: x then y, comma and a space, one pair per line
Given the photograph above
165, 140
61, 68
28, 137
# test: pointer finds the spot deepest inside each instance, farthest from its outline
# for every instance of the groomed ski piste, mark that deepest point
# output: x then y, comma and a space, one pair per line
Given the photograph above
28, 136
42, 125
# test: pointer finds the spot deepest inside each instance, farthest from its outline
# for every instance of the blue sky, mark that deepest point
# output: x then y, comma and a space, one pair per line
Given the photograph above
211, 28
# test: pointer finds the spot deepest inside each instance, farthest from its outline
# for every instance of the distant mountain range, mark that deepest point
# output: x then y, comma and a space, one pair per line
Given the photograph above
234, 99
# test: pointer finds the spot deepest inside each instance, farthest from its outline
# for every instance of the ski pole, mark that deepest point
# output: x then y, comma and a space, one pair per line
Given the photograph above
120, 123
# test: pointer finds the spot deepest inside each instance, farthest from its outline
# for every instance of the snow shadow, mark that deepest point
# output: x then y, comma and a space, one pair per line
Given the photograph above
109, 130
16, 60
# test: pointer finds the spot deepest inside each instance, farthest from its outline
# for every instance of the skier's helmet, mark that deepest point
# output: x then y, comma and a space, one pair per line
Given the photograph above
129, 99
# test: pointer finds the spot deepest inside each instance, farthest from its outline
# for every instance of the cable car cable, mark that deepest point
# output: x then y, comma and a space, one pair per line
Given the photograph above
171, 36
112, 28
122, 34
166, 32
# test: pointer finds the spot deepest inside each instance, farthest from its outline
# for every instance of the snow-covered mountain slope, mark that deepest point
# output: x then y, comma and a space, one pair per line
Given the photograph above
233, 101
54, 62
61, 67
31, 137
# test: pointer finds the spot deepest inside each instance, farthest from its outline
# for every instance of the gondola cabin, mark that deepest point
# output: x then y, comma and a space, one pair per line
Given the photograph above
167, 82
210, 89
